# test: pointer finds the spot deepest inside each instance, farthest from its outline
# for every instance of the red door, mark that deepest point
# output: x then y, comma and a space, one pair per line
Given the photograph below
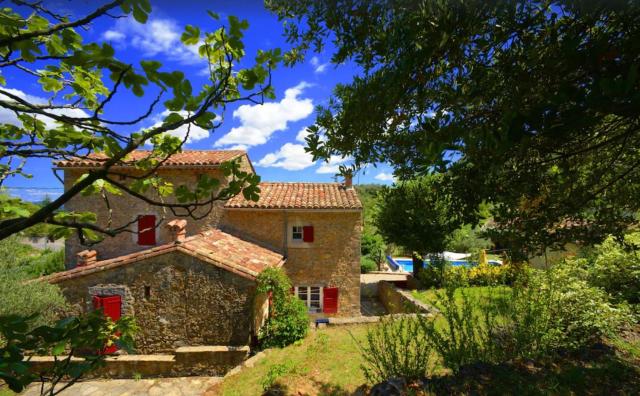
112, 307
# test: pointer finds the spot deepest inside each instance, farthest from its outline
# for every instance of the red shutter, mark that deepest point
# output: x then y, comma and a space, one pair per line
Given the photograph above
330, 300
112, 307
307, 234
147, 230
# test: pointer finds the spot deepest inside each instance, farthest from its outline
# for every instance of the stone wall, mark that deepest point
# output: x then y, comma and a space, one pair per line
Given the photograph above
125, 209
190, 302
210, 360
333, 259
398, 301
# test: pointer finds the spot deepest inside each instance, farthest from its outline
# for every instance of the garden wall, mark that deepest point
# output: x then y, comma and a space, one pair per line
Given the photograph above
398, 301
185, 361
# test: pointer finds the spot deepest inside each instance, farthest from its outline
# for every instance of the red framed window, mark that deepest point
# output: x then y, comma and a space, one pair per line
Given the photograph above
147, 230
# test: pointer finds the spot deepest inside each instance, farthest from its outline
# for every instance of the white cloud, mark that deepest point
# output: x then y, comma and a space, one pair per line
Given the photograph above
333, 165
113, 35
9, 117
317, 66
382, 176
290, 157
259, 122
302, 134
159, 36
195, 132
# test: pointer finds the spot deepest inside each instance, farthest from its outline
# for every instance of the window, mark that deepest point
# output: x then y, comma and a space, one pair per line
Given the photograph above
301, 233
311, 296
296, 233
147, 230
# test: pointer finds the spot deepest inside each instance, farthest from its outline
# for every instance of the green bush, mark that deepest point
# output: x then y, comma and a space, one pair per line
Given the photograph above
433, 275
396, 347
19, 297
615, 268
18, 264
462, 335
288, 321
367, 265
548, 312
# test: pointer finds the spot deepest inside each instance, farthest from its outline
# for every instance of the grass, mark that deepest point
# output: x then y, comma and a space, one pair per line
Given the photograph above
484, 295
327, 362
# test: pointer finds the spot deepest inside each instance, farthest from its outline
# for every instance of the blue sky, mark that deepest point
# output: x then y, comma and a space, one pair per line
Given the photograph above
272, 134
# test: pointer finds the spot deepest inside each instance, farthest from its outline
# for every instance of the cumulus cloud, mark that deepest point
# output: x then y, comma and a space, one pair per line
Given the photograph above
259, 122
317, 66
9, 117
302, 134
290, 157
113, 35
159, 36
382, 176
333, 165
195, 132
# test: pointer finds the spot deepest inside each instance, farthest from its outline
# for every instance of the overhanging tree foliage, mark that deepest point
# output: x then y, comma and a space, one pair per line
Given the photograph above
84, 80
532, 106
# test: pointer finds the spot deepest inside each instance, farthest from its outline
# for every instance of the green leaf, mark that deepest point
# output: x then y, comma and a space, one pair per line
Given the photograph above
50, 84
191, 35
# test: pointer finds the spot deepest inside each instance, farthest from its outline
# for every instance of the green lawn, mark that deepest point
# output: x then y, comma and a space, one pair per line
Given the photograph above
327, 362
481, 294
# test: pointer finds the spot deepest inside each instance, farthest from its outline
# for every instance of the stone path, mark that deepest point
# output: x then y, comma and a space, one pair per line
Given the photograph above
181, 386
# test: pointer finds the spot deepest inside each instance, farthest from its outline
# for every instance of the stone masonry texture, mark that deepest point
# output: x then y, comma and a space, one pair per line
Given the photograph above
190, 302
126, 208
333, 259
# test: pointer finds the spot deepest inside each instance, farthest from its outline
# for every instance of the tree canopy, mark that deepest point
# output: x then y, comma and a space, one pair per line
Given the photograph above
531, 106
83, 79
419, 214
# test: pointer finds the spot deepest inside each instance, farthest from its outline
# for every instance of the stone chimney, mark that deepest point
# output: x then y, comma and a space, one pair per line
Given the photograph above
178, 229
87, 257
348, 180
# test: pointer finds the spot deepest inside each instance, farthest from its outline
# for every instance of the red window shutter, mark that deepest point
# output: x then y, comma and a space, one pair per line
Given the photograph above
307, 234
330, 300
147, 230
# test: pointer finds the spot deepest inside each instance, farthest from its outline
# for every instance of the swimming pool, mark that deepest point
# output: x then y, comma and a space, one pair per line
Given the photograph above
406, 265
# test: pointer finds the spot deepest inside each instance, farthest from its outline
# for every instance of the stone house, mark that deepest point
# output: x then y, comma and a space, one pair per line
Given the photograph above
192, 282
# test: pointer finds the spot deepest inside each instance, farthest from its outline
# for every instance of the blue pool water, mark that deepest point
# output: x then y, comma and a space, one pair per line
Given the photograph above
407, 264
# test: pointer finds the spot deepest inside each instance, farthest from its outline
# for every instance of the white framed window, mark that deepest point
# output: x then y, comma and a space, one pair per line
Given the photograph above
297, 233
311, 296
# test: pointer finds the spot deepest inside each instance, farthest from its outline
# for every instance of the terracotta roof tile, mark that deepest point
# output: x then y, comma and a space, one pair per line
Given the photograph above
184, 158
300, 196
213, 246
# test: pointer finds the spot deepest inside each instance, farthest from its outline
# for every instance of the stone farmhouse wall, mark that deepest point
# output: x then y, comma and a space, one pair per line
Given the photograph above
333, 259
190, 302
126, 208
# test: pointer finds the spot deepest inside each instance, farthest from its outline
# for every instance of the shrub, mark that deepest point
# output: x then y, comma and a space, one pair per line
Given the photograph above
462, 335
487, 275
556, 311
19, 297
615, 267
433, 274
396, 347
288, 321
367, 265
